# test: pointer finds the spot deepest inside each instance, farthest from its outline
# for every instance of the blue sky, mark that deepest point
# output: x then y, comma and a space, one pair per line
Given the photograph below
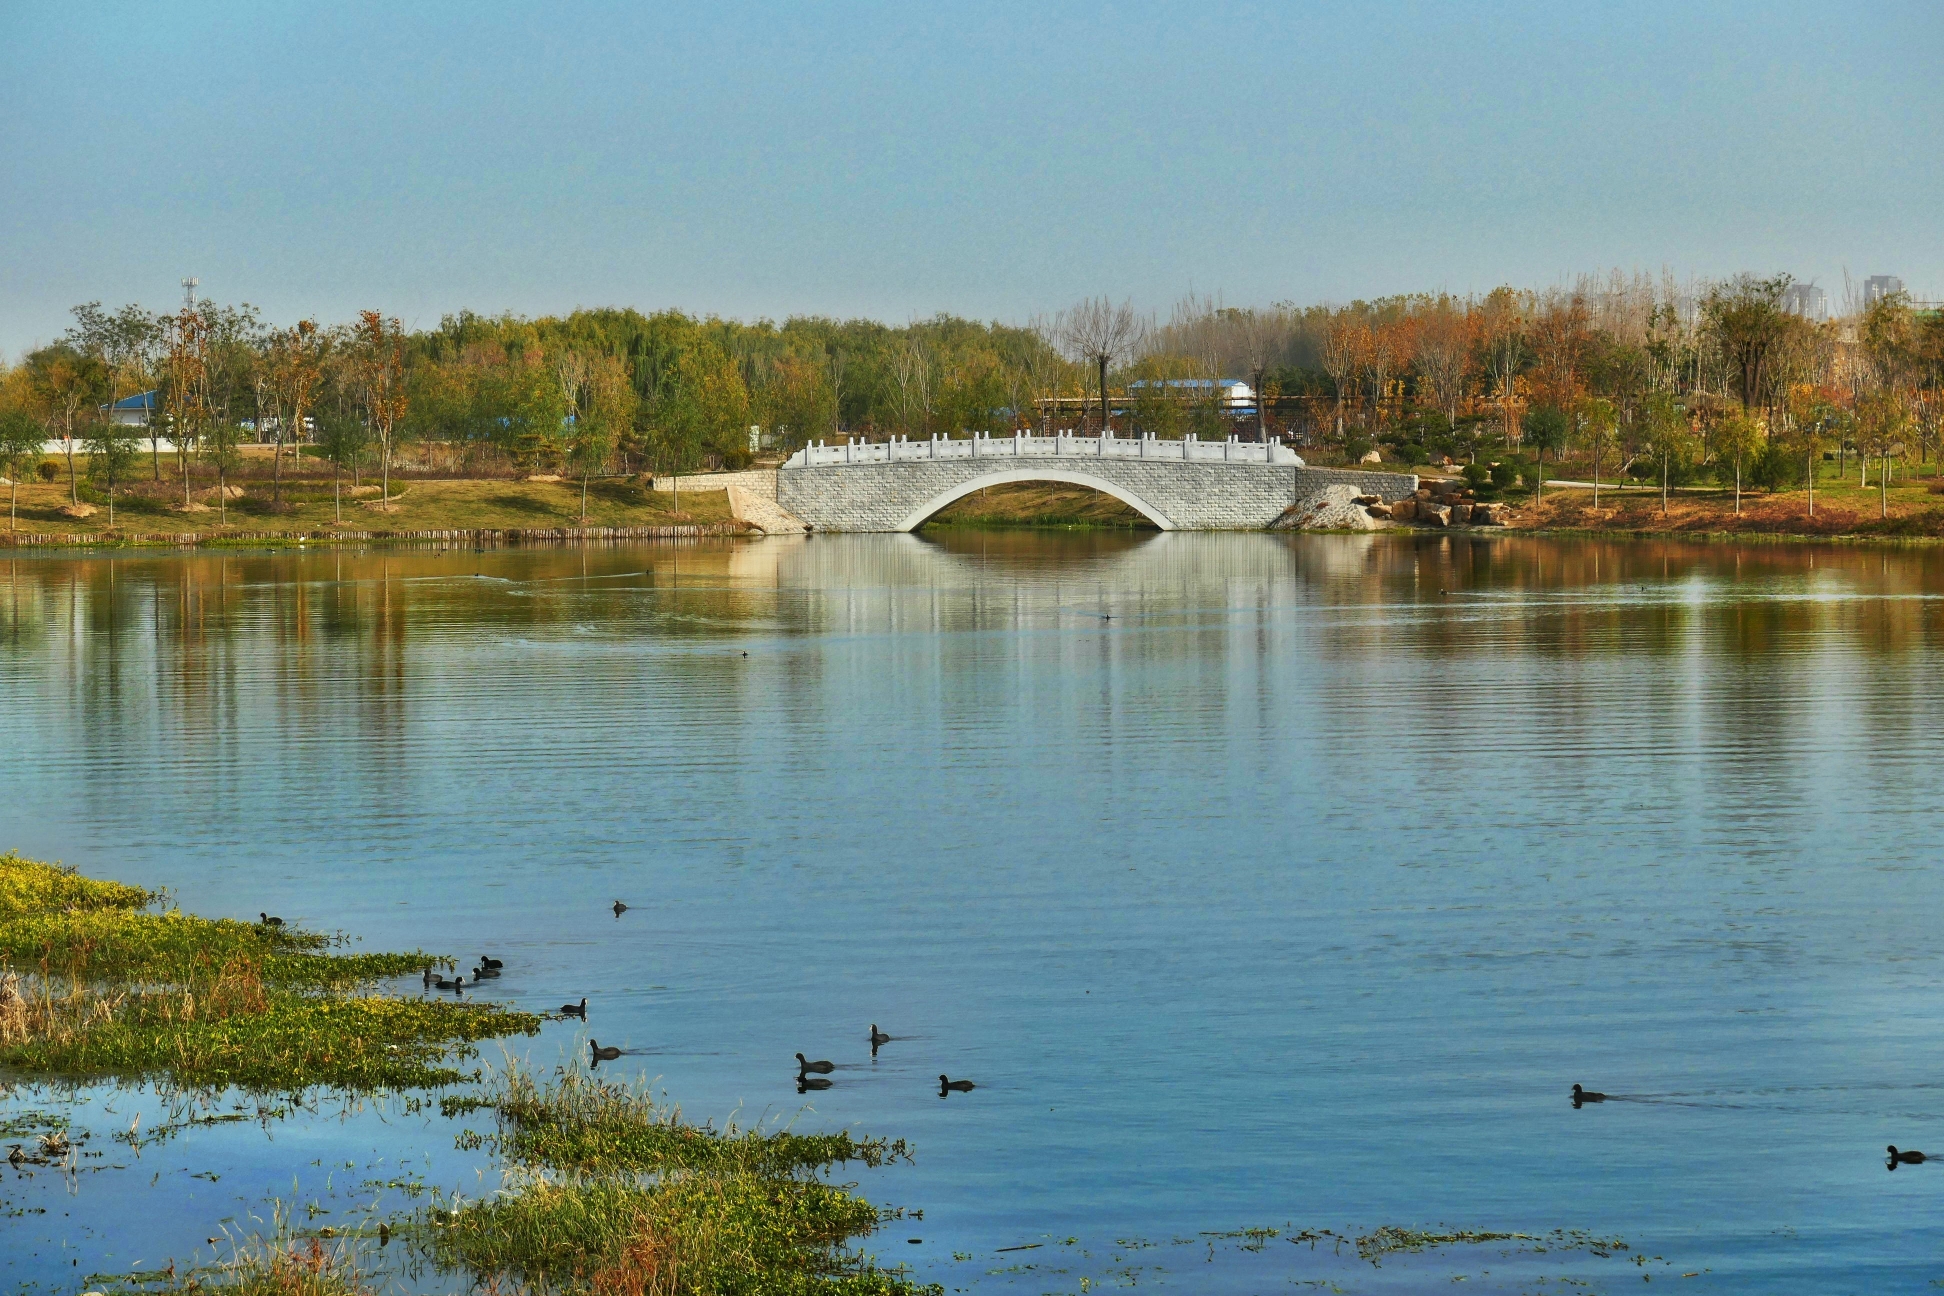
994, 160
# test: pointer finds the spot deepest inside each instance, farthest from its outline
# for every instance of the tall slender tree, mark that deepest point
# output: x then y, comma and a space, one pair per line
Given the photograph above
381, 366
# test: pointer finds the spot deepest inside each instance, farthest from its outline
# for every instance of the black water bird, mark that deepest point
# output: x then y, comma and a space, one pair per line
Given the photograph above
954, 1086
575, 1010
492, 963
806, 1083
804, 1064
1906, 1158
1586, 1096
878, 1037
603, 1054
619, 908
457, 983
267, 921
479, 973
428, 974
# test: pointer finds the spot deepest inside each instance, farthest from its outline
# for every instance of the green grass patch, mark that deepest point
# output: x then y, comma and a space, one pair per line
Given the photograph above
93, 987
283, 1042
614, 1194
31, 887
593, 1126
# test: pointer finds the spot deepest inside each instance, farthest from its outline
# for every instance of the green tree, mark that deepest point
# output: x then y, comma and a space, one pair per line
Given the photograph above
1545, 429
125, 344
1882, 423
113, 451
1670, 438
1739, 438
68, 382
601, 403
21, 437
1814, 416
342, 438
1600, 426
1746, 318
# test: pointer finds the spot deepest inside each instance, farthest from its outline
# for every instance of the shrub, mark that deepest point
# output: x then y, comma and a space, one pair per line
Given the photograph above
1776, 468
48, 470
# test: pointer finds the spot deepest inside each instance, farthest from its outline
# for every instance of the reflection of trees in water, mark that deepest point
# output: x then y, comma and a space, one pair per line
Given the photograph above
175, 633
180, 638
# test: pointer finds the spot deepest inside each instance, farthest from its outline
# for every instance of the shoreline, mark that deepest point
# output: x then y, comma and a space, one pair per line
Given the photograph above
471, 535
516, 536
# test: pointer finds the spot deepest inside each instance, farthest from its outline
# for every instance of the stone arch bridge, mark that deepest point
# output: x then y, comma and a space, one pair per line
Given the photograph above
1185, 485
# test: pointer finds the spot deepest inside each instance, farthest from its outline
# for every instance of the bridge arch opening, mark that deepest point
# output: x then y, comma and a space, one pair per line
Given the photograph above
917, 516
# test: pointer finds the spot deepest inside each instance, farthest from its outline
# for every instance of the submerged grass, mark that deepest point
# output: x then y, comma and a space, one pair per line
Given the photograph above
93, 987
615, 1195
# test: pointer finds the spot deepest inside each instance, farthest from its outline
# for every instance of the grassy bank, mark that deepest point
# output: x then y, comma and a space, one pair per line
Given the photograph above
99, 983
420, 505
1915, 508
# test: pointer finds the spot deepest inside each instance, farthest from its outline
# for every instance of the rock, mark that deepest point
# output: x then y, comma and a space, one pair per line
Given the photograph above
1379, 511
1422, 493
1331, 509
1368, 500
1405, 509
1435, 514
77, 510
1461, 514
1371, 456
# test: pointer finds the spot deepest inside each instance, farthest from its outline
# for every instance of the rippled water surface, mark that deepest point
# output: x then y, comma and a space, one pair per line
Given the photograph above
1257, 881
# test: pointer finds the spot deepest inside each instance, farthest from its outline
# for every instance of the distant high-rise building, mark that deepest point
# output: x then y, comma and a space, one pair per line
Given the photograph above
1808, 301
1877, 287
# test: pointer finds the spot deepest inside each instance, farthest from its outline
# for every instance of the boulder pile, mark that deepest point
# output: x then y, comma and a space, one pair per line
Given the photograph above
1334, 508
1442, 503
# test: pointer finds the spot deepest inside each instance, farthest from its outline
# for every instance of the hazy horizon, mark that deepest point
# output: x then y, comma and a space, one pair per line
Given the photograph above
992, 162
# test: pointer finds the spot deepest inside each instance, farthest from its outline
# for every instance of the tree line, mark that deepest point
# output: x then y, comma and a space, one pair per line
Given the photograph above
1628, 374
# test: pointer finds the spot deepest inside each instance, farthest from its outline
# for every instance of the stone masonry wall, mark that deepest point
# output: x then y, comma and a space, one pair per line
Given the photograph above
1190, 496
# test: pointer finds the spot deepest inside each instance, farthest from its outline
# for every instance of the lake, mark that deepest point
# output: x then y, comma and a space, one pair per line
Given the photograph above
1259, 882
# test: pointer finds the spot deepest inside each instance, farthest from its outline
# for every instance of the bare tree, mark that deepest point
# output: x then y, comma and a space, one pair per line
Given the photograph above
1100, 332
1444, 353
1341, 347
911, 369
1259, 335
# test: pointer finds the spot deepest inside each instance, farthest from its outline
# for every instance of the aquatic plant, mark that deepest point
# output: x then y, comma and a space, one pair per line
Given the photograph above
617, 1196
597, 1126
29, 886
93, 987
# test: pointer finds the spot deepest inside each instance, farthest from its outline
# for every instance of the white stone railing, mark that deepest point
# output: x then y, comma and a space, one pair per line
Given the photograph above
1018, 446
